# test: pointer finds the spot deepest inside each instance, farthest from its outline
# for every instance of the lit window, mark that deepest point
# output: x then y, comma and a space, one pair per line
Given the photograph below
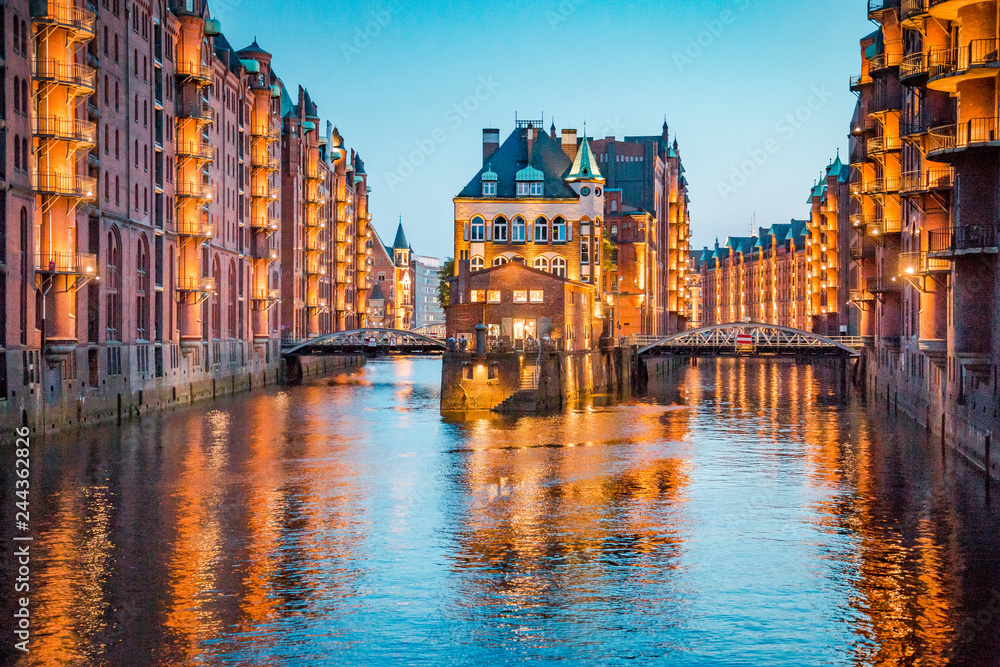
537, 296
478, 263
542, 263
585, 251
500, 230
517, 229
489, 188
520, 296
478, 296
499, 261
493, 296
559, 230
559, 267
478, 230
541, 230
536, 188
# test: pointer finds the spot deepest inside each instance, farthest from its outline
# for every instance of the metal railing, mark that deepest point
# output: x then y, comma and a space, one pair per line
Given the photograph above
198, 111
65, 15
884, 144
195, 150
973, 132
883, 285
266, 295
977, 53
266, 222
65, 185
193, 190
861, 296
892, 56
919, 264
911, 8
200, 230
81, 77
266, 162
925, 181
66, 129
961, 239
195, 284
267, 133
68, 263
196, 71
264, 192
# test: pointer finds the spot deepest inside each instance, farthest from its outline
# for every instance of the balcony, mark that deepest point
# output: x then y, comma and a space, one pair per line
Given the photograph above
78, 21
920, 264
266, 162
264, 254
883, 186
860, 251
884, 285
266, 133
65, 185
314, 267
913, 66
267, 223
313, 221
889, 59
191, 71
195, 150
80, 78
861, 296
203, 113
189, 190
196, 285
195, 229
885, 102
877, 7
884, 144
66, 264
83, 133
978, 59
265, 193
317, 304
977, 133
911, 12
932, 180
956, 242
881, 227
314, 246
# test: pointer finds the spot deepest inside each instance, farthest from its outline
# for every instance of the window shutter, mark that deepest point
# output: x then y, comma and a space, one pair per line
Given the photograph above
569, 231
529, 231
466, 231
489, 231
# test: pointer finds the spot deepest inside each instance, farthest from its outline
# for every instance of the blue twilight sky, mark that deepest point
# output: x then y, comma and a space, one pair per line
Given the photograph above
412, 83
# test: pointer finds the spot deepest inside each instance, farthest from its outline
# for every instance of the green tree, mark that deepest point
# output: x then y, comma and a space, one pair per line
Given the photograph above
445, 273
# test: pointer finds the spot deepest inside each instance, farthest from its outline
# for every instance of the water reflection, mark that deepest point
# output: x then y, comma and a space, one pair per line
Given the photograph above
746, 512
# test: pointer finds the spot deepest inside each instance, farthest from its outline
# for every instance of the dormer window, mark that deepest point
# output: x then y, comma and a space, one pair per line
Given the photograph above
522, 189
489, 181
530, 182
536, 189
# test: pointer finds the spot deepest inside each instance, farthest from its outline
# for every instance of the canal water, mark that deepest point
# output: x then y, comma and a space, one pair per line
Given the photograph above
746, 514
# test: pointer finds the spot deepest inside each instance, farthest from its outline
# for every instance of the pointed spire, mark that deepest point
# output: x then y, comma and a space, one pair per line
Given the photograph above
585, 167
400, 242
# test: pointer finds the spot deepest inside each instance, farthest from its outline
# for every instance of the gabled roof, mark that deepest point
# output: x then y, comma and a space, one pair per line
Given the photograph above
376, 294
254, 48
311, 110
512, 156
585, 167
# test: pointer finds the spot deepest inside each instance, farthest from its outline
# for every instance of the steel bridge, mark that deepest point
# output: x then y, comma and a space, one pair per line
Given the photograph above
371, 340
749, 339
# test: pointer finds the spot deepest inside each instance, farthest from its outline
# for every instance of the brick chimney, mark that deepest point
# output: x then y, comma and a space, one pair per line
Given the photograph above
530, 135
569, 145
491, 142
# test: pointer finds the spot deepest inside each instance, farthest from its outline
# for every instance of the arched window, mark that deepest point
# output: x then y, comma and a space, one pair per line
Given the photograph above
559, 230
26, 260
542, 263
216, 314
478, 230
478, 263
541, 230
17, 93
559, 267
112, 288
517, 230
142, 291
499, 260
24, 96
232, 299
500, 230
614, 205
614, 232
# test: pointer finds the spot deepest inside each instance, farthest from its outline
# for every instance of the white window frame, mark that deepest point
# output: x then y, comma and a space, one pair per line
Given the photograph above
489, 188
522, 189
477, 263
500, 224
536, 189
559, 231
542, 264
541, 224
516, 226
559, 266
480, 225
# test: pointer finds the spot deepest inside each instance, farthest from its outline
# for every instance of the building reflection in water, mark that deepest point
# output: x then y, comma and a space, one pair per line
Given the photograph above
742, 502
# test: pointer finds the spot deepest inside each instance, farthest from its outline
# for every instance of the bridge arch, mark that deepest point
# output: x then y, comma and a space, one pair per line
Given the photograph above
359, 338
769, 337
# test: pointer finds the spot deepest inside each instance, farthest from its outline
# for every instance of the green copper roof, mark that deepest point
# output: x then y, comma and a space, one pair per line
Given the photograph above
400, 242
529, 173
489, 174
585, 166
835, 166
